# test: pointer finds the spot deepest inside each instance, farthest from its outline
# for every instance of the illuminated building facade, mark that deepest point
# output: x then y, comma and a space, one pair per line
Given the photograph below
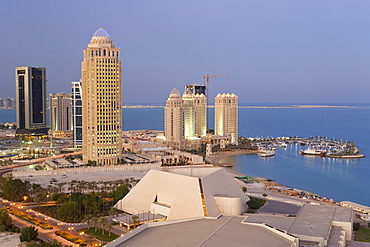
174, 120
200, 107
61, 114
77, 114
226, 116
101, 104
195, 114
30, 97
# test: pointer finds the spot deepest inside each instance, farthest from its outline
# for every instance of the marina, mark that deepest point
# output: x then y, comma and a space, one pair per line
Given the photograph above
311, 146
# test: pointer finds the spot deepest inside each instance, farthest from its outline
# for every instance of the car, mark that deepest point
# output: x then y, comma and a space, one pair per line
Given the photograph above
64, 176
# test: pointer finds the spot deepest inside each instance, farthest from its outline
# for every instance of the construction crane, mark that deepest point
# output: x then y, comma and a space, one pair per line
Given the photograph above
207, 85
207, 82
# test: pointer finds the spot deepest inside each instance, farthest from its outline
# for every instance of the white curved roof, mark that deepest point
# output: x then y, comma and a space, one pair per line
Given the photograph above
101, 33
101, 38
175, 93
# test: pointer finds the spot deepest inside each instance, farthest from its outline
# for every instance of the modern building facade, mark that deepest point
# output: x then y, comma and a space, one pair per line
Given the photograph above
61, 114
182, 193
226, 116
196, 88
174, 120
30, 97
101, 104
77, 114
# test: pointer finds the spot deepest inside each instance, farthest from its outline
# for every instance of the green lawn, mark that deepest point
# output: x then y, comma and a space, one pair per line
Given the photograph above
98, 234
363, 234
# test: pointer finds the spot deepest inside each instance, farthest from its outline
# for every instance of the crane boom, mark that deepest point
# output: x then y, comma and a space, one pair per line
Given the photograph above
207, 85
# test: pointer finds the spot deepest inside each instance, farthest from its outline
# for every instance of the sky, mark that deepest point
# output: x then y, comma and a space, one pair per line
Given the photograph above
286, 51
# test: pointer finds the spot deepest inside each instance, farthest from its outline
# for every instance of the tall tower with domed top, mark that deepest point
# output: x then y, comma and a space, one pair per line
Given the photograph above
101, 101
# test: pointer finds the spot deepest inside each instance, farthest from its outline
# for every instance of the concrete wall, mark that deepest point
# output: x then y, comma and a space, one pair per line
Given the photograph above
96, 169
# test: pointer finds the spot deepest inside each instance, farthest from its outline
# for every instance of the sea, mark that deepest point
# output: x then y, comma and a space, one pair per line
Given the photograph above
337, 179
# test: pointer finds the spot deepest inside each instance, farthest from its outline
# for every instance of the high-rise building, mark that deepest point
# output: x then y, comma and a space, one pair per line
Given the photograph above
226, 116
189, 114
101, 104
61, 114
174, 120
77, 114
30, 97
195, 114
200, 106
196, 88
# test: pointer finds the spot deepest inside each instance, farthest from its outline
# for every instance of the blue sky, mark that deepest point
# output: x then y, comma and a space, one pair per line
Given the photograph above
284, 51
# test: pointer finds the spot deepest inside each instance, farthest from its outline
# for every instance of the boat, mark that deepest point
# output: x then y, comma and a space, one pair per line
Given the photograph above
267, 154
313, 152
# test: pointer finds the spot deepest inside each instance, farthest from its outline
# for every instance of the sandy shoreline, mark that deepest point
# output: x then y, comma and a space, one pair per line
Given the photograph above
215, 158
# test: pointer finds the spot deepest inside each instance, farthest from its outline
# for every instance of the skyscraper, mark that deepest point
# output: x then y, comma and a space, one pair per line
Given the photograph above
30, 97
77, 114
226, 116
195, 114
174, 120
200, 107
101, 104
61, 114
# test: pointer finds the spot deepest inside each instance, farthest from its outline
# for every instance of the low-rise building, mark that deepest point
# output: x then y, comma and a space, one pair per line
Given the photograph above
355, 206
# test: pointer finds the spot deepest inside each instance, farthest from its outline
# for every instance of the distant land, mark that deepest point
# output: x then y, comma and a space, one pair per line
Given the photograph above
282, 106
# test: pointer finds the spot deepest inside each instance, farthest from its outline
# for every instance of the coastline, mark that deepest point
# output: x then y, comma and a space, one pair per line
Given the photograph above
216, 157
267, 183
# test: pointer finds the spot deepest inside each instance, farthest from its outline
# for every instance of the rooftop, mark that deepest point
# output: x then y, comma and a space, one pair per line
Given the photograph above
225, 231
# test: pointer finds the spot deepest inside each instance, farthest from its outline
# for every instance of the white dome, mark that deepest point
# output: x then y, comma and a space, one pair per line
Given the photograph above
101, 37
175, 93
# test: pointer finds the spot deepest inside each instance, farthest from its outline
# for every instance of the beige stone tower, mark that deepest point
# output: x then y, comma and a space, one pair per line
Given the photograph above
189, 114
200, 106
174, 120
195, 114
226, 116
101, 105
60, 114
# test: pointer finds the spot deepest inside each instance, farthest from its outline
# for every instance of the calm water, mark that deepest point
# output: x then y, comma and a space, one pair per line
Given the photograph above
332, 178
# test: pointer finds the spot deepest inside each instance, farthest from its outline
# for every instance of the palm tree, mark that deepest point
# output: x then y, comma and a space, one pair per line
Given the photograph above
134, 220
88, 219
110, 225
60, 187
89, 241
95, 222
103, 223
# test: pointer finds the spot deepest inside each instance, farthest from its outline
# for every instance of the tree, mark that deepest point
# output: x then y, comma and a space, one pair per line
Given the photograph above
53, 243
95, 221
88, 220
119, 193
103, 224
28, 234
110, 225
14, 189
134, 220
255, 203
356, 226
5, 220
244, 189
